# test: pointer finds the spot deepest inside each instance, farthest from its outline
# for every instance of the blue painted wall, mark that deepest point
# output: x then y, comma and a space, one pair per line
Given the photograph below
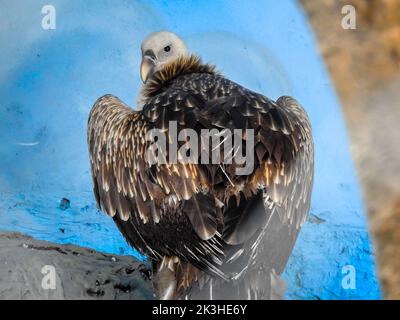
50, 79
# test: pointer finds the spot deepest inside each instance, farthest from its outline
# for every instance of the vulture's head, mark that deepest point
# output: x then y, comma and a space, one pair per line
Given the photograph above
159, 49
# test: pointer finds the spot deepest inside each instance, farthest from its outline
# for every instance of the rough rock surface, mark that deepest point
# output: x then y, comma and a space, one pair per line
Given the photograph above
80, 273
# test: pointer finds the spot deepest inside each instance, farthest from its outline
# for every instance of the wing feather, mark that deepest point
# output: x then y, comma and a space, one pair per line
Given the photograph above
283, 172
129, 189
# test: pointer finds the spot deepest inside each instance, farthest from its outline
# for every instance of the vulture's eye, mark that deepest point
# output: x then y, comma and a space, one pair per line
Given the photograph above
167, 49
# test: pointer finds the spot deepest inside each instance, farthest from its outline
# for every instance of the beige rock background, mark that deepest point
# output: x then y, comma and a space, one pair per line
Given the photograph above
365, 66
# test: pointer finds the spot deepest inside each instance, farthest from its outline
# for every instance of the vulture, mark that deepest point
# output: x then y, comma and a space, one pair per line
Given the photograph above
214, 223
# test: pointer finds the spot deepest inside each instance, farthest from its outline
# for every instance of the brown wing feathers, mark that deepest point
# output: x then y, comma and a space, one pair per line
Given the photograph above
210, 205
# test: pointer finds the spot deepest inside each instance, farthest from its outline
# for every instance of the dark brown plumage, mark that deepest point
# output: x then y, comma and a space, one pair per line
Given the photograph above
208, 232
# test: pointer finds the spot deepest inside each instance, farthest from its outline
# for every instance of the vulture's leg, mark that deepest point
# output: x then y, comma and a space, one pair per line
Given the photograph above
164, 279
173, 278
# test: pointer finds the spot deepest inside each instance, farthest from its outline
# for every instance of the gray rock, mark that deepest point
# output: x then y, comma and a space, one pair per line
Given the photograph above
32, 269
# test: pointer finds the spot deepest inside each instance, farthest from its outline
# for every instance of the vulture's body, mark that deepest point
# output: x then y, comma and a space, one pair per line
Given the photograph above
208, 232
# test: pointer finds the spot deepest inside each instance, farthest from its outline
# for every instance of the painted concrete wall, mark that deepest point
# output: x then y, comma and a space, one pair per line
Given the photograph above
49, 80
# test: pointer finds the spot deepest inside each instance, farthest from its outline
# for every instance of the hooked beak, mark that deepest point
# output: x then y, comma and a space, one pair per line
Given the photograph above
147, 67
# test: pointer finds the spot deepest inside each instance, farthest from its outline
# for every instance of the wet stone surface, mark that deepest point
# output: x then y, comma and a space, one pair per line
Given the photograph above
32, 269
